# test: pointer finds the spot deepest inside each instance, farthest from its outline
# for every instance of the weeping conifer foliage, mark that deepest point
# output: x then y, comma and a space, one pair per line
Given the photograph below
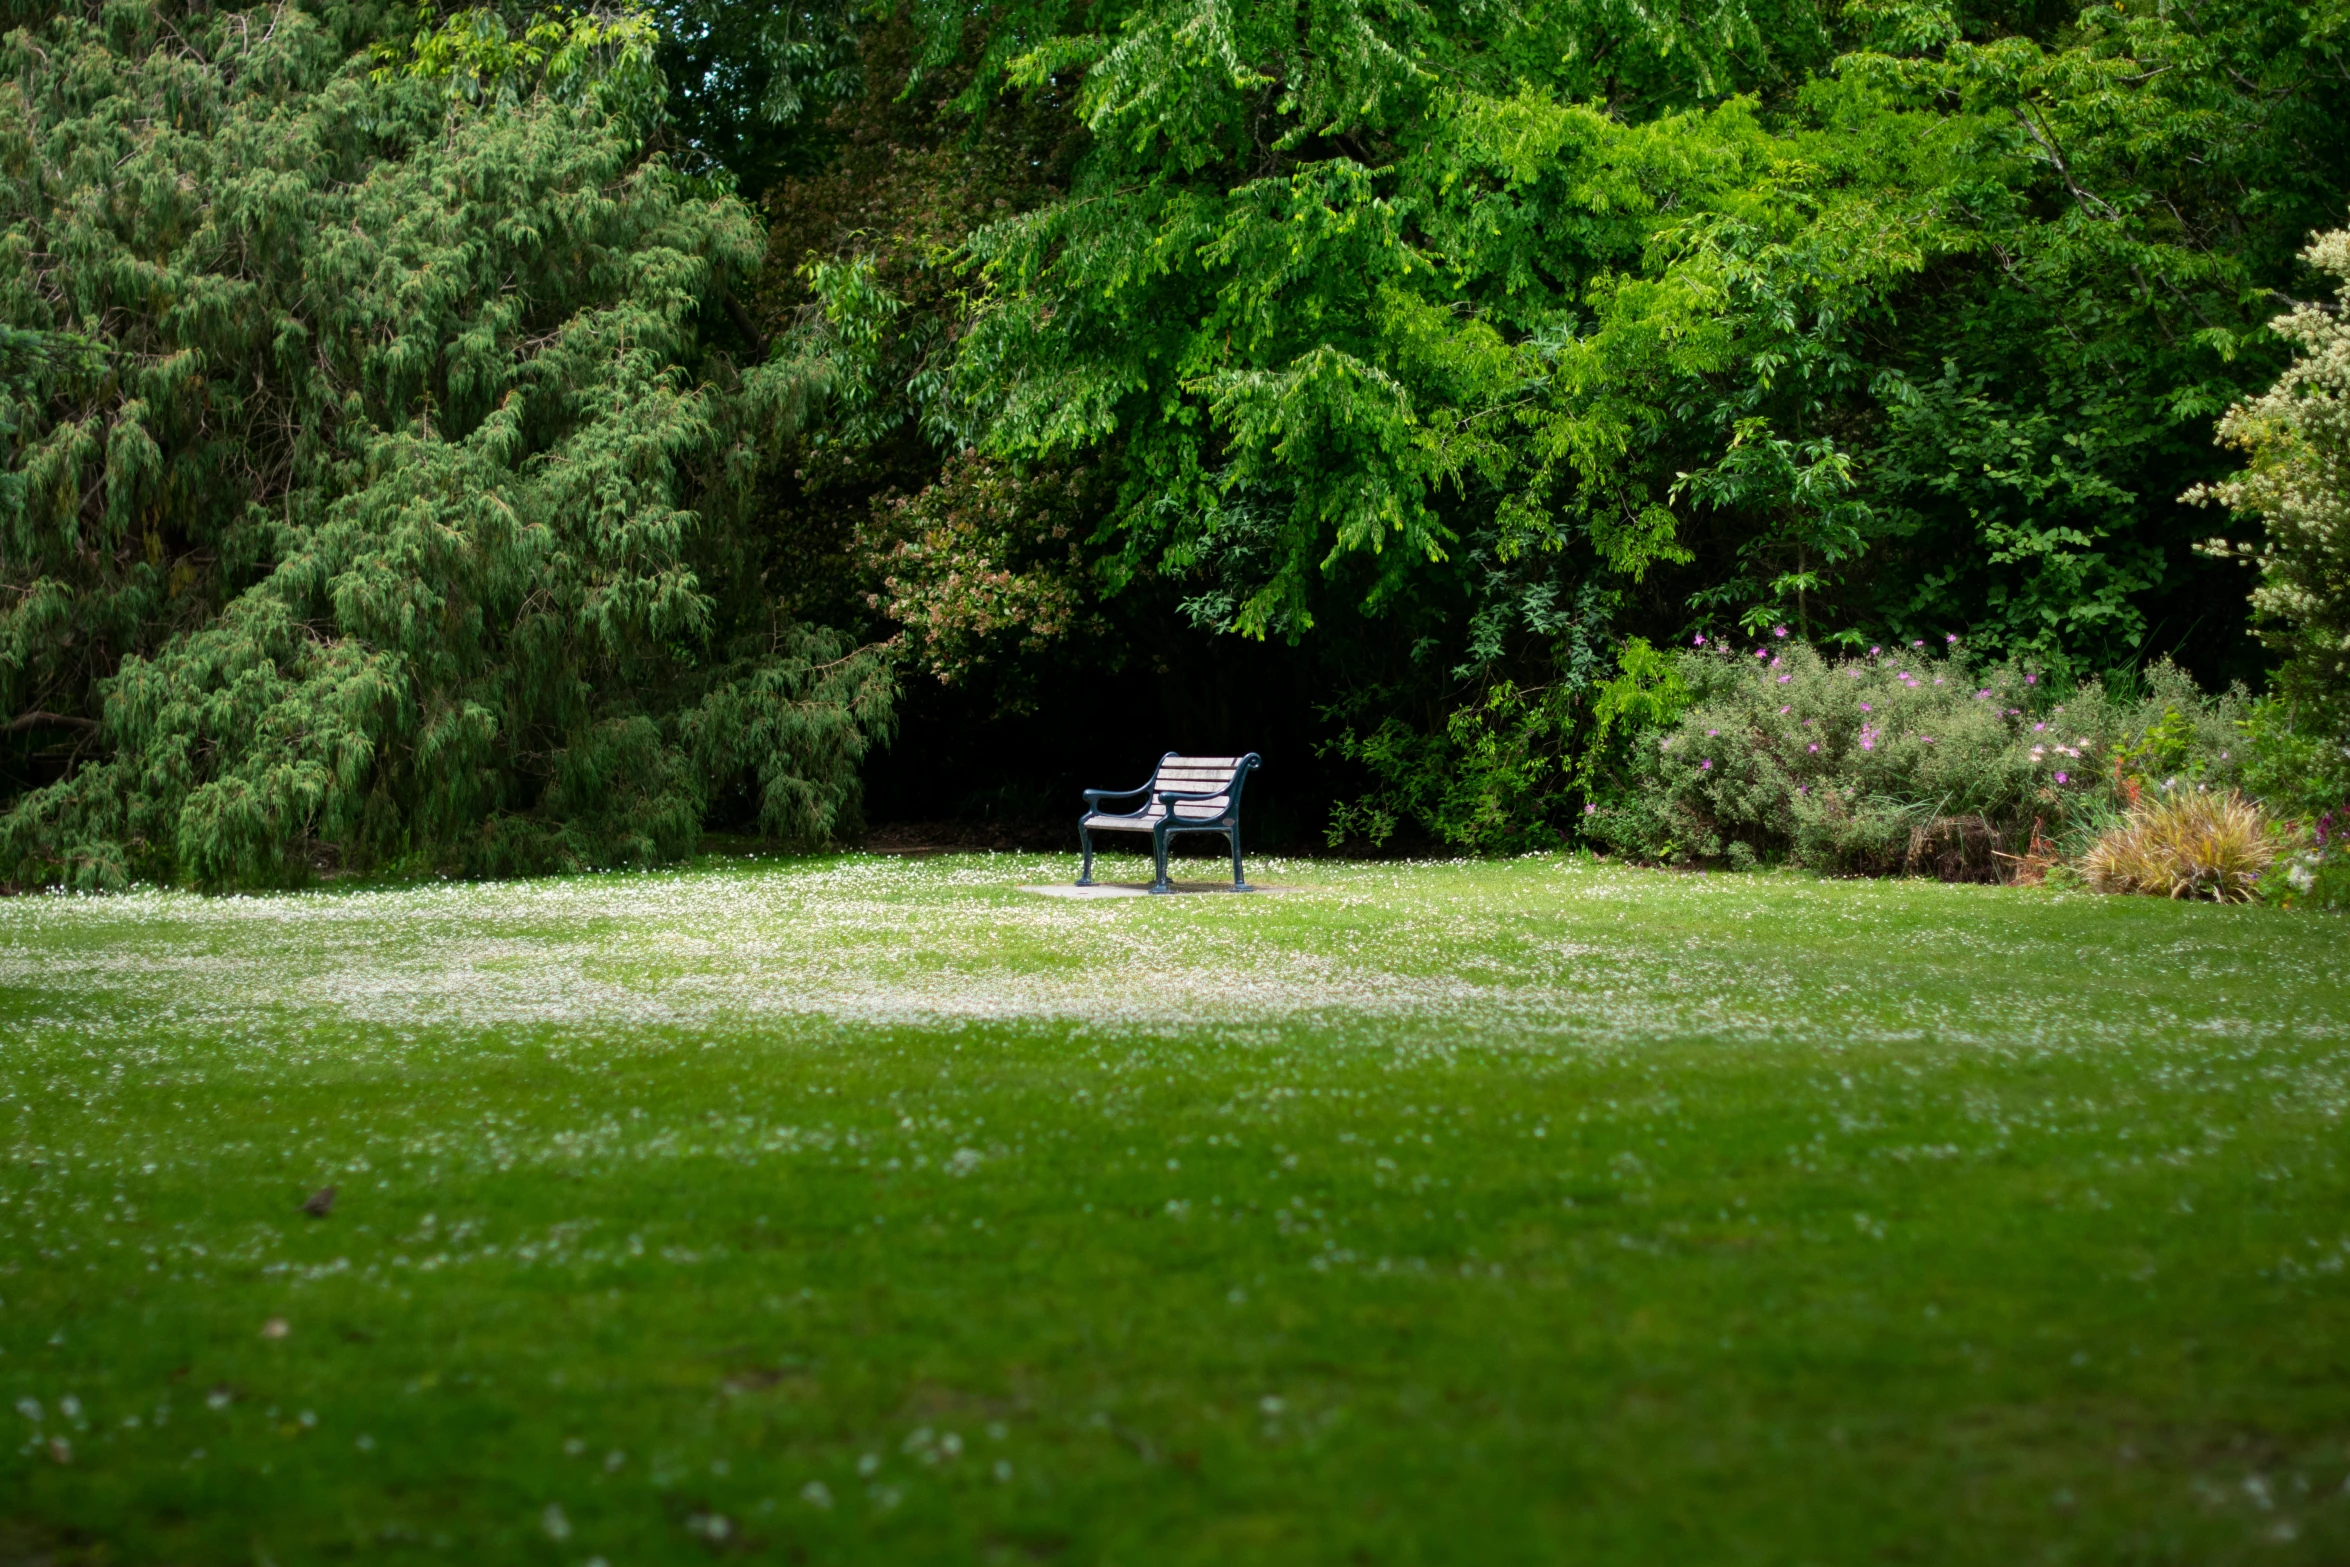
378, 444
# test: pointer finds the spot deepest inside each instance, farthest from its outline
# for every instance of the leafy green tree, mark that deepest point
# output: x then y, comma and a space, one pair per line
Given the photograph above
749, 85
378, 444
2296, 437
1411, 327
1364, 288
972, 568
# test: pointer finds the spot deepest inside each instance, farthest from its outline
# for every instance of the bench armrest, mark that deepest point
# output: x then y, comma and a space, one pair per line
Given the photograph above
1095, 796
1170, 796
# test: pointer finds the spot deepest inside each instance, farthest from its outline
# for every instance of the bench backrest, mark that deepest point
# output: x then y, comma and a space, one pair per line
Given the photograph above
1218, 776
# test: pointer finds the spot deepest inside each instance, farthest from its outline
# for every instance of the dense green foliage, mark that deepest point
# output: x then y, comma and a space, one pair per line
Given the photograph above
416, 458
376, 482
1914, 343
747, 84
1461, 348
873, 1211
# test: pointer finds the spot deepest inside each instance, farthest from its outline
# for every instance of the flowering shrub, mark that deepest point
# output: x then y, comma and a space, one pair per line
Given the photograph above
1901, 758
2300, 769
981, 565
2315, 871
2296, 436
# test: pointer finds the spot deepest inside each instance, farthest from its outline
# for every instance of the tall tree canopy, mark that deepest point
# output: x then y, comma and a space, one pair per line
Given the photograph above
1498, 335
378, 449
1883, 319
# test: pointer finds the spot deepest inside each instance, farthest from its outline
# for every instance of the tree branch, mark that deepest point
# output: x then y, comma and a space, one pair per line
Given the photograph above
38, 719
2056, 159
2330, 307
743, 322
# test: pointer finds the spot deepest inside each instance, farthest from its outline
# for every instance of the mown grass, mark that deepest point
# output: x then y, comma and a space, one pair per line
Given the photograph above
874, 1210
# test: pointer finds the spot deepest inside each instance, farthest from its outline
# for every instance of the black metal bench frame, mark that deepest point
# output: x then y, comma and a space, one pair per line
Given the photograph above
1167, 824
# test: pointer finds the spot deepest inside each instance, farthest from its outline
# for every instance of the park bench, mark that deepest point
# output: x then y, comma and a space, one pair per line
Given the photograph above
1186, 794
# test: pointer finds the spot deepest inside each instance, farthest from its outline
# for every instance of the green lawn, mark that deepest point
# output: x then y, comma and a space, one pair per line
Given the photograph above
875, 1210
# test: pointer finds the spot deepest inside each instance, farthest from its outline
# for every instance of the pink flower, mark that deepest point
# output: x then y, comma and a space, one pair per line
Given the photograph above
2060, 778
1710, 733
1774, 665
1762, 652
1589, 809
1782, 710
1699, 641
1813, 746
2031, 680
1783, 679
1778, 631
1873, 652
1864, 707
1952, 639
1707, 766
1920, 642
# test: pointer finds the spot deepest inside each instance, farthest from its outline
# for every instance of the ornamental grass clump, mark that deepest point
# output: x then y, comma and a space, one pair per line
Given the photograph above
1900, 759
2186, 843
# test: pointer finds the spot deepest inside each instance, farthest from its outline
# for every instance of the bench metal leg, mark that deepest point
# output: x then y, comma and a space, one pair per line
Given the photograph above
1159, 851
1239, 882
1085, 876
